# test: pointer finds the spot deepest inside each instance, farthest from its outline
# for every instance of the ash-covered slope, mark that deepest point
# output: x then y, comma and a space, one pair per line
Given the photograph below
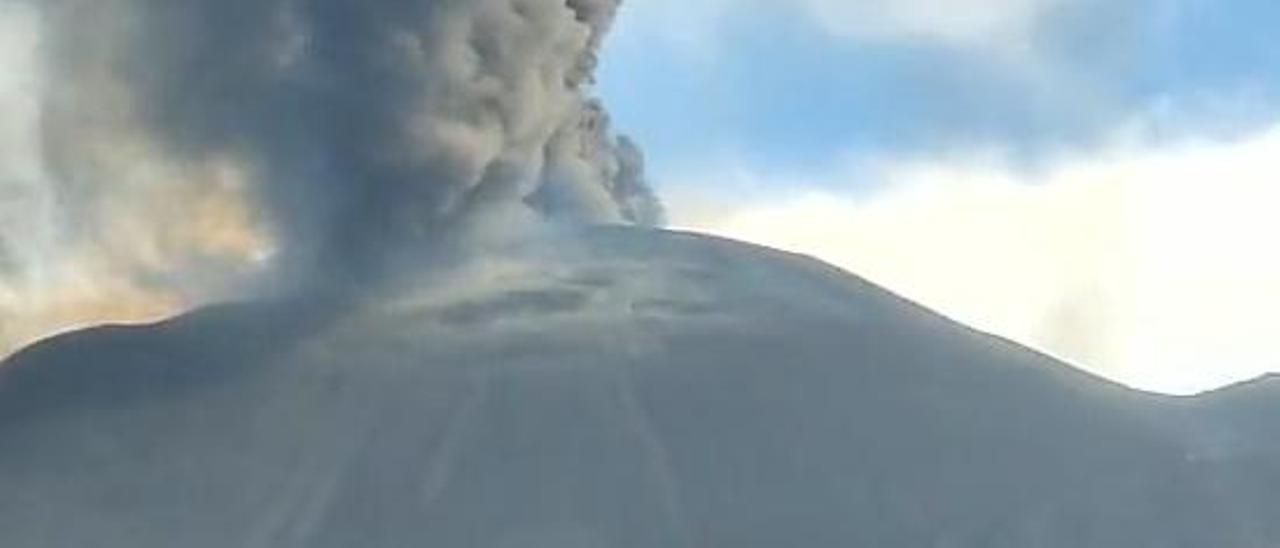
642, 389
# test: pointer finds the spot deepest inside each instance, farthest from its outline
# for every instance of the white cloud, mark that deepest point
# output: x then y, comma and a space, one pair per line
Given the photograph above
987, 24
957, 22
1155, 265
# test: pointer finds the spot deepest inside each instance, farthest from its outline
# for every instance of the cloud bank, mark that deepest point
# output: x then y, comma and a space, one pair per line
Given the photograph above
175, 145
1148, 263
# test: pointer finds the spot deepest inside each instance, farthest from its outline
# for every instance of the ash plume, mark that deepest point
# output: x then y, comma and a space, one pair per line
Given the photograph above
184, 143
355, 124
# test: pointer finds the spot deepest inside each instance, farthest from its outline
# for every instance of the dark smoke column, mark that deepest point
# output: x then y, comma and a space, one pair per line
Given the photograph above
362, 123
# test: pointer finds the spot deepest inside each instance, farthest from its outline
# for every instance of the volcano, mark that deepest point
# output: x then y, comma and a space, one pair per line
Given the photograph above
618, 387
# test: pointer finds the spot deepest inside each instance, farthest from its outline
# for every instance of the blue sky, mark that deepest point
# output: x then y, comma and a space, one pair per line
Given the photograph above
1093, 178
771, 85
1089, 177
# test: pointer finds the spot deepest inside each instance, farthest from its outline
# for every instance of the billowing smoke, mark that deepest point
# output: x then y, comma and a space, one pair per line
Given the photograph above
358, 121
180, 138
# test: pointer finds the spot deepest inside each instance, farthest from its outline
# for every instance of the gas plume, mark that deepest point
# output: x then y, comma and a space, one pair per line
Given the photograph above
315, 135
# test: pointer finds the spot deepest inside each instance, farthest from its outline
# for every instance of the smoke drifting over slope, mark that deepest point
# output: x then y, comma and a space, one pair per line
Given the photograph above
320, 132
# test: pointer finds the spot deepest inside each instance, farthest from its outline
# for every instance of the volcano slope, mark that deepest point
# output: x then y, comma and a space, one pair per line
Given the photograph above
623, 388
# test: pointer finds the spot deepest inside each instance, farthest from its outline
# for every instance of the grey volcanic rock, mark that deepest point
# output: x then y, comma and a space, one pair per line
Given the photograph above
623, 388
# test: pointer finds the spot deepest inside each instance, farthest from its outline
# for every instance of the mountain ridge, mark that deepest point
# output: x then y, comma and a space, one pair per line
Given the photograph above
612, 387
